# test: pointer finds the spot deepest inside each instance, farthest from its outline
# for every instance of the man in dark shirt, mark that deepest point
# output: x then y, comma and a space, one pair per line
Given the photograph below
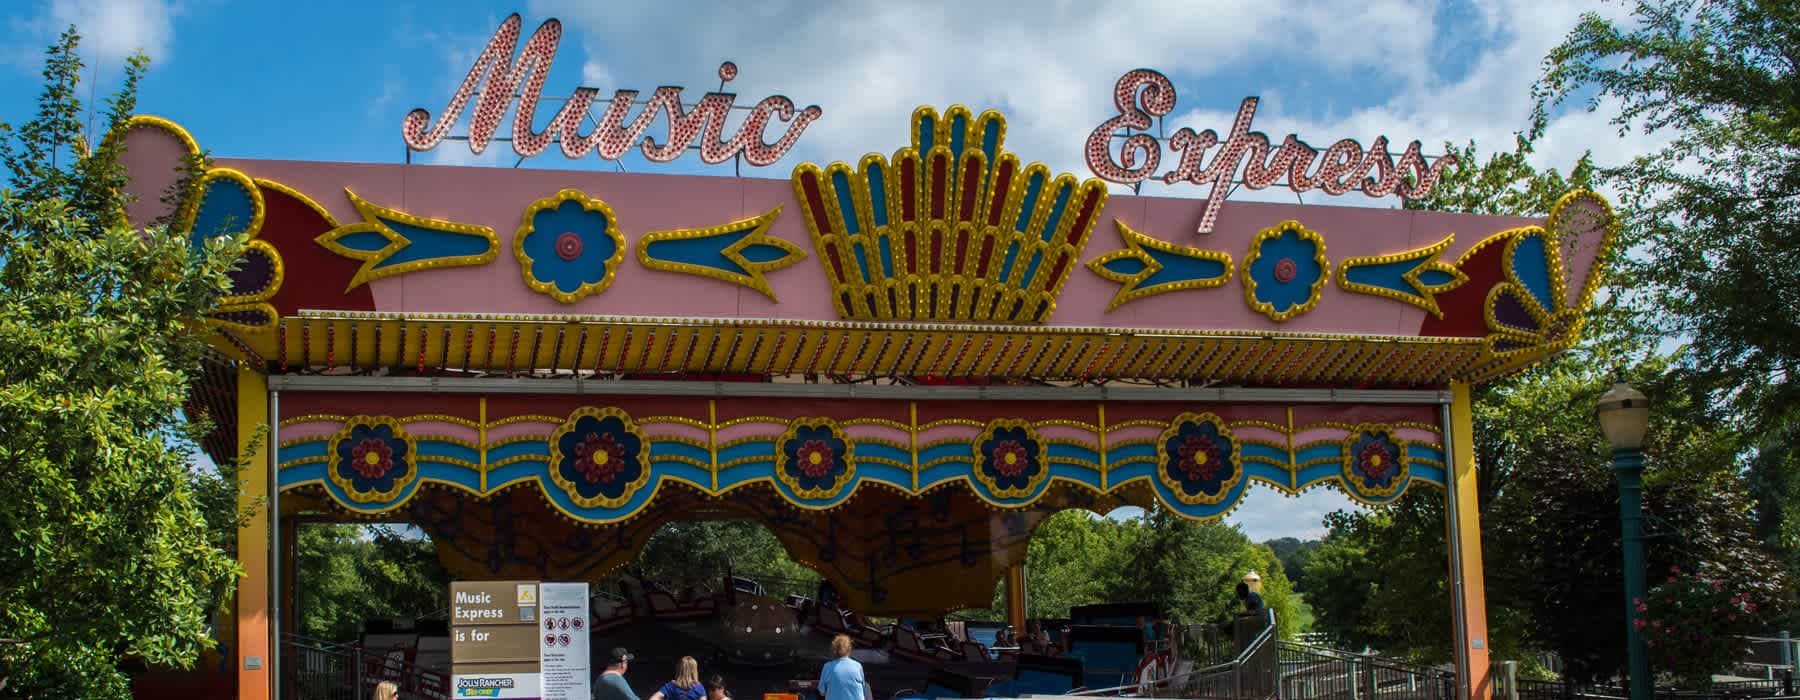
1252, 600
612, 685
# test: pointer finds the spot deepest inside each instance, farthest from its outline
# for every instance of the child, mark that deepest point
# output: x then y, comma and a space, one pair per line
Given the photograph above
715, 688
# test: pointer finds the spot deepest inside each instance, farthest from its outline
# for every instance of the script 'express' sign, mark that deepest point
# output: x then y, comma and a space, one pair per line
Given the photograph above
519, 640
501, 79
1143, 94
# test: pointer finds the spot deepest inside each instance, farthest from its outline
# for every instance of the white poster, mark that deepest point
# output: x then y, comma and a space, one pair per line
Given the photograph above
502, 686
564, 643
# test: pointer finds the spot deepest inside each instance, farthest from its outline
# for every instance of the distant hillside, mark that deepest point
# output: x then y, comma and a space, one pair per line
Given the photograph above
1294, 554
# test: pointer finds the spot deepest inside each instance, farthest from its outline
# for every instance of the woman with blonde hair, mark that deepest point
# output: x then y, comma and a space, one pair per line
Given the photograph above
686, 685
386, 690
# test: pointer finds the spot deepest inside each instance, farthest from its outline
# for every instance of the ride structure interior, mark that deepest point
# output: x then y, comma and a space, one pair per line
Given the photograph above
898, 365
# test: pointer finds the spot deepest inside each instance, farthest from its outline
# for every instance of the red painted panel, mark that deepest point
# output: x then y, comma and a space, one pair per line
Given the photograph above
1462, 306
315, 277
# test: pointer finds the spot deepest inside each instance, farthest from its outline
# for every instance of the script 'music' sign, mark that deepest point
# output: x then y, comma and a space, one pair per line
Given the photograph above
499, 78
519, 640
1143, 95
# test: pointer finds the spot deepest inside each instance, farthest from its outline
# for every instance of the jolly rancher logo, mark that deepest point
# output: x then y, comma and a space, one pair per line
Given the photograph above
1143, 94
501, 82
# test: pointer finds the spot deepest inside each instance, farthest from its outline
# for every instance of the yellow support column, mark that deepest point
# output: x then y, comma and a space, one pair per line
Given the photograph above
1468, 590
253, 644
1015, 597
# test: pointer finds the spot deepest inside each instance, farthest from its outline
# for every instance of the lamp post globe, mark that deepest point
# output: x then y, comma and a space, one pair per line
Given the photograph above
1624, 417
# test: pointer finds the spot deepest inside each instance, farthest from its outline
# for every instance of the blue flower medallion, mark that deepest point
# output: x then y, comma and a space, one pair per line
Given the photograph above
569, 246
372, 460
597, 457
1375, 463
1285, 271
1198, 459
1010, 459
815, 461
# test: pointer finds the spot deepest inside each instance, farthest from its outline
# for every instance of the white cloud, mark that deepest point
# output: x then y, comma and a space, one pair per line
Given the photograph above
1052, 68
381, 107
112, 30
457, 153
595, 75
1267, 514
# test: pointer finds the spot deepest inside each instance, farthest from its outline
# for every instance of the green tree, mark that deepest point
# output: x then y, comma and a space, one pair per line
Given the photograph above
346, 574
1550, 524
1294, 555
1715, 210
106, 553
1074, 558
1192, 570
1549, 503
1556, 522
1714, 213
1506, 183
704, 551
1378, 577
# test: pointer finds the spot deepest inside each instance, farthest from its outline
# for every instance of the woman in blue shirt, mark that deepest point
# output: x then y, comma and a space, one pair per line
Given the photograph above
842, 677
686, 685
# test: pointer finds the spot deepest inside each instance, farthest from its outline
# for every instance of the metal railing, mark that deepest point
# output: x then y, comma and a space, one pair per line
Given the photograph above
1252, 673
1327, 674
1781, 685
1202, 646
314, 670
1508, 686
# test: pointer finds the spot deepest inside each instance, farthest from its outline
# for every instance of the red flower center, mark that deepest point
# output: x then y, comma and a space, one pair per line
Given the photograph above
1010, 458
371, 458
1199, 458
600, 458
1375, 461
1286, 270
815, 458
568, 246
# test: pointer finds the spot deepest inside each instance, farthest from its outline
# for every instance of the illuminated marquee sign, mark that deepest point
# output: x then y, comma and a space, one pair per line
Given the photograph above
1142, 95
501, 82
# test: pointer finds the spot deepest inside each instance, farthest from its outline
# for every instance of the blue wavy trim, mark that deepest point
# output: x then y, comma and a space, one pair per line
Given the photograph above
445, 462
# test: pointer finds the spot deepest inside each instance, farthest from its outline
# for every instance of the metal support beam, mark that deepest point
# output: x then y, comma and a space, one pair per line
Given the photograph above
1468, 588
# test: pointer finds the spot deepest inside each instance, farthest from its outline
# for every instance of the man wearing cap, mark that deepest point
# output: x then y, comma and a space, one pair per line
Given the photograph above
612, 685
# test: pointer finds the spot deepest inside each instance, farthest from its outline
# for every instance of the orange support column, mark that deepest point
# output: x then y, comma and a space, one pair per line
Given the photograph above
1015, 597
253, 647
1468, 589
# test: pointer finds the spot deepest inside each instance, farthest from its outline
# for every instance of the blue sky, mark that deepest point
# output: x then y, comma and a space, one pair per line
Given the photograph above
332, 79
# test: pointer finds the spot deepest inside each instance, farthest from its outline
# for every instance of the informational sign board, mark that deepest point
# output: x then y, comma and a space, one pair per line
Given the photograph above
565, 658
519, 640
